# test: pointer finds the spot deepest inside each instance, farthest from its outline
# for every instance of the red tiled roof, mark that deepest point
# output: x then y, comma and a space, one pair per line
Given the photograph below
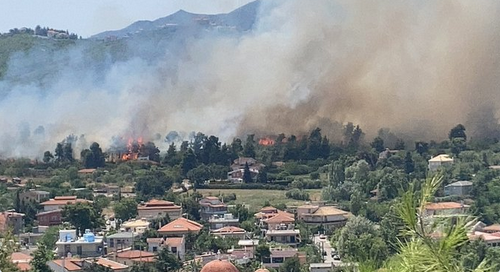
63, 200
87, 171
444, 206
181, 225
229, 229
134, 254
281, 217
175, 241
69, 264
110, 264
20, 257
23, 266
492, 228
156, 204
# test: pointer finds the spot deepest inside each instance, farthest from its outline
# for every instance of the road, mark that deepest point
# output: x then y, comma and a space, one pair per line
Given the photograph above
324, 244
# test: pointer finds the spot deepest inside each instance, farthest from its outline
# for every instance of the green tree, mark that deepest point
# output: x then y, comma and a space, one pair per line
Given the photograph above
240, 211
166, 261
457, 132
47, 157
125, 209
93, 157
171, 158
247, 176
262, 251
40, 258
249, 148
409, 163
188, 161
378, 144
290, 265
7, 247
361, 241
59, 152
83, 216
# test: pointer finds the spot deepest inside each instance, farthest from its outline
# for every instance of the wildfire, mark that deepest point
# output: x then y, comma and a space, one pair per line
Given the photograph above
132, 149
266, 141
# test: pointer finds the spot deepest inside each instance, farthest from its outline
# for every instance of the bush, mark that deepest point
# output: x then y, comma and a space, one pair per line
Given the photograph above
297, 194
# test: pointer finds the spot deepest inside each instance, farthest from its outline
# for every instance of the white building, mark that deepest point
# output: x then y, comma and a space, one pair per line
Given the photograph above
87, 246
439, 161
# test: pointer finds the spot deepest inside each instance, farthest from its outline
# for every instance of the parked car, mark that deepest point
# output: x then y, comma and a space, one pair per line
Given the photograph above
322, 236
336, 258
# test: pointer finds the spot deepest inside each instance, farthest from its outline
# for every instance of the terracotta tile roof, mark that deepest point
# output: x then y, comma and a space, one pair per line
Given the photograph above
181, 225
268, 209
69, 264
134, 254
154, 240
444, 206
174, 241
144, 259
329, 210
110, 264
229, 229
492, 228
156, 204
23, 266
281, 217
64, 200
87, 171
307, 206
20, 257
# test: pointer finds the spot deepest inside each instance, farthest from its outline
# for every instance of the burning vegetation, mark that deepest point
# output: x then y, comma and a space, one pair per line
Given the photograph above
133, 150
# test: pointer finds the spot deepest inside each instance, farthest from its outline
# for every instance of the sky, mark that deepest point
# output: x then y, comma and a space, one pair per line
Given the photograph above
89, 17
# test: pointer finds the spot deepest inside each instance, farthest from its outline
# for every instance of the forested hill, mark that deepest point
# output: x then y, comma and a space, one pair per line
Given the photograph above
21, 53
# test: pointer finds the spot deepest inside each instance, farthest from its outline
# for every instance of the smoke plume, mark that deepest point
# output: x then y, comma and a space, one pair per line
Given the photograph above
417, 67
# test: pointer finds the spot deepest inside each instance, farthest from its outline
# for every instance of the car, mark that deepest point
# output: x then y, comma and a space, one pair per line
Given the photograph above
322, 237
336, 258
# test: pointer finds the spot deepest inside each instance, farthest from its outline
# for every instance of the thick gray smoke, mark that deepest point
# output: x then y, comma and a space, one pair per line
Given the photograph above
417, 67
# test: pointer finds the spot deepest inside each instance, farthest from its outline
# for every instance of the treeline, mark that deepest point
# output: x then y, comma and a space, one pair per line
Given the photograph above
44, 32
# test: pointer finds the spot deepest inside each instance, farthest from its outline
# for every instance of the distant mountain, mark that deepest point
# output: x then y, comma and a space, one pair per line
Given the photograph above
241, 19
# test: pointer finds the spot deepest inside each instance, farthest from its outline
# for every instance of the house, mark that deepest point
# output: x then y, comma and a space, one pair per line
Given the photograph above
492, 228
290, 237
87, 246
279, 255
490, 239
34, 196
58, 202
327, 216
266, 212
11, 220
439, 161
176, 245
231, 232
158, 208
21, 260
135, 225
445, 209
210, 206
121, 240
241, 162
459, 188
86, 172
129, 257
50, 218
236, 176
227, 220
179, 227
76, 264
321, 267
280, 220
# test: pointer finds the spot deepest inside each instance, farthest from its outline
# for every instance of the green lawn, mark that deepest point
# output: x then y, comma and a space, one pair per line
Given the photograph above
255, 199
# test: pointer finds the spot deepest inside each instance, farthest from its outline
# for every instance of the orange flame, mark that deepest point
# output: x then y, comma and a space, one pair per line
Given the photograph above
266, 141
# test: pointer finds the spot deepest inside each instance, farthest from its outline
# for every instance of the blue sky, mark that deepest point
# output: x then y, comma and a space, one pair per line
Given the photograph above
88, 17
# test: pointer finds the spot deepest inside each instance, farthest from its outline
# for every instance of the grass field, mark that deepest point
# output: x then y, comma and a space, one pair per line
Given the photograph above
255, 199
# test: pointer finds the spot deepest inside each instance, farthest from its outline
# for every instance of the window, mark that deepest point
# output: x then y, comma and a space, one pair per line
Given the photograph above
173, 249
111, 242
79, 250
155, 249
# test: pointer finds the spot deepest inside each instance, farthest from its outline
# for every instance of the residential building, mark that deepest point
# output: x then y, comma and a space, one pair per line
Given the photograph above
227, 220
77, 264
231, 232
176, 245
210, 206
87, 246
236, 176
266, 212
11, 220
290, 237
135, 225
439, 161
86, 172
21, 260
129, 257
121, 240
320, 267
491, 229
58, 202
241, 162
281, 220
491, 239
158, 208
459, 188
445, 209
180, 227
34, 196
279, 255
50, 218
327, 216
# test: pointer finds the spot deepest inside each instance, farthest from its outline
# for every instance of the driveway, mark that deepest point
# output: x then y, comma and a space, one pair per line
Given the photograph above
324, 245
